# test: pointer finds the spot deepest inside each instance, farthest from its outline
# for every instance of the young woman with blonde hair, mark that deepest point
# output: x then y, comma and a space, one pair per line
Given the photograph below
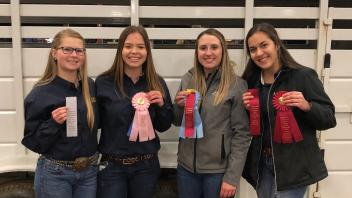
211, 166
67, 166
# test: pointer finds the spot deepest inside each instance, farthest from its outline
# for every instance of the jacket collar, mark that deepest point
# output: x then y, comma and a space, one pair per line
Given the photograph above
216, 74
277, 76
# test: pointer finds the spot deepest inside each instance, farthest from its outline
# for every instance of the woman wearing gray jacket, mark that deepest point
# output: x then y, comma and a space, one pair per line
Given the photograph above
210, 163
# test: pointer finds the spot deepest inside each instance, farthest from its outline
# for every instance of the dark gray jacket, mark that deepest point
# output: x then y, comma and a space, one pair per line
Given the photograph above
224, 147
297, 164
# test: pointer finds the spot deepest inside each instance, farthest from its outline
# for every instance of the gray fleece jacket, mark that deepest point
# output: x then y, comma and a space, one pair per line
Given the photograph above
223, 149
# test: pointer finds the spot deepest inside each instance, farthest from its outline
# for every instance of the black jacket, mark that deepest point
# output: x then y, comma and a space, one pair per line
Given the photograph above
117, 114
42, 134
302, 163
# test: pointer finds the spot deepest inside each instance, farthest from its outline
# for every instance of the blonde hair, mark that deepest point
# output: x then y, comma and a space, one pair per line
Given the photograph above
51, 71
117, 68
226, 69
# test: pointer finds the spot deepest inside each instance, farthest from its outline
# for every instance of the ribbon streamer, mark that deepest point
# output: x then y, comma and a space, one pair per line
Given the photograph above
254, 113
142, 126
286, 127
191, 126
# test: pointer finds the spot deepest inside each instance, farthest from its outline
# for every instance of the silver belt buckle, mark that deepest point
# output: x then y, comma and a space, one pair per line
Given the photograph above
129, 161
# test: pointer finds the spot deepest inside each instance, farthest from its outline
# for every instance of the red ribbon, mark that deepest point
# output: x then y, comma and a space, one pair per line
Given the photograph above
189, 114
286, 127
254, 113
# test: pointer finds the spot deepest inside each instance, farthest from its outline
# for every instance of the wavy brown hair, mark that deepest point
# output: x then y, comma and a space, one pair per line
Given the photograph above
51, 71
252, 70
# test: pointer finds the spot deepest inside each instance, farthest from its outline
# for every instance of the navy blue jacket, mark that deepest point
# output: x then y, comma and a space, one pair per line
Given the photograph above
117, 114
43, 135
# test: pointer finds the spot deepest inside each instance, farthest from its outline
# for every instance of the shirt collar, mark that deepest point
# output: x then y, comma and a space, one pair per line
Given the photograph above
66, 83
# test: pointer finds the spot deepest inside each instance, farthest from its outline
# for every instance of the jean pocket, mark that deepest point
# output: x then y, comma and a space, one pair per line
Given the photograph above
52, 168
152, 165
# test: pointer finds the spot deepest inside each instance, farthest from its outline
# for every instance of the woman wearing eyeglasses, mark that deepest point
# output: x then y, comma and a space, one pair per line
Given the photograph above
60, 122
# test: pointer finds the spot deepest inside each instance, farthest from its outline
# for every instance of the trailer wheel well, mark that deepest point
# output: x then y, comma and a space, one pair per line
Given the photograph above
17, 189
17, 184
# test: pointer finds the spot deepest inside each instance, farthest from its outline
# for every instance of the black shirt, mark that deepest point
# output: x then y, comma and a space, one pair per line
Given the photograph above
117, 114
43, 135
265, 126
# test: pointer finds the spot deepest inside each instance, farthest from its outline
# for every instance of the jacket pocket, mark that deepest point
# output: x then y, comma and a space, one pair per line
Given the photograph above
223, 152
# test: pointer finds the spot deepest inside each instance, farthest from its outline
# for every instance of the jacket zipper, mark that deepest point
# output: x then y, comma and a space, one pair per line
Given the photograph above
200, 110
260, 154
271, 140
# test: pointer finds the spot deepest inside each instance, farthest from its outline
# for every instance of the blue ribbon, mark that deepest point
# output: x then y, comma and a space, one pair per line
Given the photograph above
129, 130
198, 126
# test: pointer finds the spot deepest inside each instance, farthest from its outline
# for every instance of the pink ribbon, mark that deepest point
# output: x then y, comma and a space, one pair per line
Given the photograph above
142, 125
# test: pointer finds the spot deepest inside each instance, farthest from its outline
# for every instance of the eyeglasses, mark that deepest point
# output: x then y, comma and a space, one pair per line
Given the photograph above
69, 50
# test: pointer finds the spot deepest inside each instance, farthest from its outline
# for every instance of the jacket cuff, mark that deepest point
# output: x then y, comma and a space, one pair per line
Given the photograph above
314, 109
52, 124
178, 114
232, 181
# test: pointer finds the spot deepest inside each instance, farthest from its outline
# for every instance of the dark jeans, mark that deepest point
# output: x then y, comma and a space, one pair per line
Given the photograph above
267, 186
191, 185
128, 181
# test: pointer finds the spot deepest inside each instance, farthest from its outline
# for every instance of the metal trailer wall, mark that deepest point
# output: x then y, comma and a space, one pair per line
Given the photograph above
311, 29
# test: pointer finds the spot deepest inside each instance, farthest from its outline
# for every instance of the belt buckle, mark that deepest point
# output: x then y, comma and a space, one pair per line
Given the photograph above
81, 163
129, 161
147, 156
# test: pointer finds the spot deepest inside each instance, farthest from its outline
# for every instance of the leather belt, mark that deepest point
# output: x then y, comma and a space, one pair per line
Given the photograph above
79, 164
128, 160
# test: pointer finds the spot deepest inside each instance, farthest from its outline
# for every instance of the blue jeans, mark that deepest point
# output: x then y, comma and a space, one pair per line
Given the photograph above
133, 181
267, 185
57, 181
198, 185
37, 176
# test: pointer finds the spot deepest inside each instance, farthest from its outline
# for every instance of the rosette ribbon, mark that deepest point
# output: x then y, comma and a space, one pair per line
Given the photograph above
142, 126
191, 126
254, 113
286, 127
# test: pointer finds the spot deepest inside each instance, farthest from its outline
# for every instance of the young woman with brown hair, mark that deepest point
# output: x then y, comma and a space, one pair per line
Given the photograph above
130, 165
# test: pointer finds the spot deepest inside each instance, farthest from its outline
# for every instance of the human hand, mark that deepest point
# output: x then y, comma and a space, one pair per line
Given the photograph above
296, 99
227, 190
155, 97
59, 115
247, 97
181, 98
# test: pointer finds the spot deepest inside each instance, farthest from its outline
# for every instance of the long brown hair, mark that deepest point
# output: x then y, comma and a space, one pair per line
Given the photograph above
117, 68
51, 71
252, 70
226, 69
